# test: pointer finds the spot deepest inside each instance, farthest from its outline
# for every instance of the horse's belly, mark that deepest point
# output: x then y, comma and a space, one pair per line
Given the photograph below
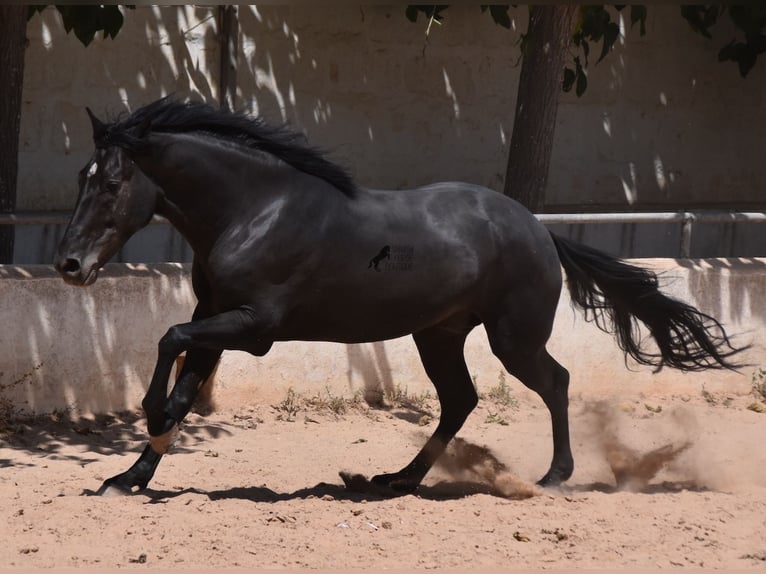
357, 323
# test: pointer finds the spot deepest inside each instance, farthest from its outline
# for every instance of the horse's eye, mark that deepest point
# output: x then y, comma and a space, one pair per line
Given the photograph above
112, 186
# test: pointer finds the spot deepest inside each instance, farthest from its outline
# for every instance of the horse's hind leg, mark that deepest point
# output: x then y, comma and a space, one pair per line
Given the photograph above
442, 354
525, 357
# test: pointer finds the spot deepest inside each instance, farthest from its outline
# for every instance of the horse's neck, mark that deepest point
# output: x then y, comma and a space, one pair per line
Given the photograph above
186, 224
202, 188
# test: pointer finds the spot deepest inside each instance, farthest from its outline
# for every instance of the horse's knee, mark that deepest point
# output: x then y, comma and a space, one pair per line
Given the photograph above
173, 342
258, 347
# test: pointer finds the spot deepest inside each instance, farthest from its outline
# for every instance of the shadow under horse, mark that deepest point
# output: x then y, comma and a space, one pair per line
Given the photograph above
283, 241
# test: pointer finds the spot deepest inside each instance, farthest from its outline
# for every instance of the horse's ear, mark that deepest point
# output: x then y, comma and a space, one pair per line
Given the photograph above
99, 128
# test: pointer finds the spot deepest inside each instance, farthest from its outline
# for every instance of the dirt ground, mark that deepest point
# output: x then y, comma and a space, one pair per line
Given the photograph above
677, 482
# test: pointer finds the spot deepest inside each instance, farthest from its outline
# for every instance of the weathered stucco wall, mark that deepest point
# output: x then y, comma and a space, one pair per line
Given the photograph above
662, 123
93, 350
85, 349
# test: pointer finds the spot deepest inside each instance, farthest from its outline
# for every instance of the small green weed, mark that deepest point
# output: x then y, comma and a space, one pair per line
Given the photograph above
6, 413
334, 404
758, 383
400, 397
495, 418
501, 393
289, 407
709, 397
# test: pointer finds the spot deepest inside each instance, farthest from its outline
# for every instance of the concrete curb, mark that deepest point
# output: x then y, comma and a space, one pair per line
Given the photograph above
93, 350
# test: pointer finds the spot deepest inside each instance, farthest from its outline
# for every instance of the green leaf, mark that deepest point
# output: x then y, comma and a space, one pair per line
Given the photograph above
582, 84
727, 52
700, 17
743, 54
569, 79
594, 22
437, 12
66, 17
638, 14
429, 10
84, 35
586, 51
34, 10
750, 19
582, 80
500, 16
611, 33
710, 16
87, 20
112, 20
595, 25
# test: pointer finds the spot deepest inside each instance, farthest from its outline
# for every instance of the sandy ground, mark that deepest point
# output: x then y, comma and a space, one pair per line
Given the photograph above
257, 485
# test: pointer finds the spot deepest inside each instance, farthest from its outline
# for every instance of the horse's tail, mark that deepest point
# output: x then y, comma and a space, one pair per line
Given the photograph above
615, 295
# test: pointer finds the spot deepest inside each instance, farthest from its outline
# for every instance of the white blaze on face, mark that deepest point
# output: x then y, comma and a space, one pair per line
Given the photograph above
93, 169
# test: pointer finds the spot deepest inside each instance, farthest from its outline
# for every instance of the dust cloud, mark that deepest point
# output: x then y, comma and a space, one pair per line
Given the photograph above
633, 467
471, 467
465, 460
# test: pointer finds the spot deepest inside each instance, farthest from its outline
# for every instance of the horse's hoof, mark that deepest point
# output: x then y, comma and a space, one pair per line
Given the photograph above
112, 490
123, 484
384, 480
404, 486
355, 482
396, 482
546, 482
553, 479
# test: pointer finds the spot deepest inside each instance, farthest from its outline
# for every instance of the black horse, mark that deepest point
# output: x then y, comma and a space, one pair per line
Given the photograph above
283, 241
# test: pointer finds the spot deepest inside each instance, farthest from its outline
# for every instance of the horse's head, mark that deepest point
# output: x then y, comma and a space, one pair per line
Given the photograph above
116, 199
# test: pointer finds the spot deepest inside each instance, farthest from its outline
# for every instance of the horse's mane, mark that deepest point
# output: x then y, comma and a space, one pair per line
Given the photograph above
168, 115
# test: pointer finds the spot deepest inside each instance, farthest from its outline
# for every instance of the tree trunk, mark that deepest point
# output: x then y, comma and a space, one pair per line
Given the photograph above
13, 27
229, 26
537, 102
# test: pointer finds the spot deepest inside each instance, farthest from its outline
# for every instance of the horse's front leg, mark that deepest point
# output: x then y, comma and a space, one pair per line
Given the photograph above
163, 415
204, 340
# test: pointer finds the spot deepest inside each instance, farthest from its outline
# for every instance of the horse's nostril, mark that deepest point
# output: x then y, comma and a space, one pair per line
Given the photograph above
70, 266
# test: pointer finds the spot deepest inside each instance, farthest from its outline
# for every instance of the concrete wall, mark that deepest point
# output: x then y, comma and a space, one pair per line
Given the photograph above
93, 350
663, 125
85, 349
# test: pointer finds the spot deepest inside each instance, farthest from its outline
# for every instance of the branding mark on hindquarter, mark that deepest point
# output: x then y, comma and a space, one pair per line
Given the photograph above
393, 258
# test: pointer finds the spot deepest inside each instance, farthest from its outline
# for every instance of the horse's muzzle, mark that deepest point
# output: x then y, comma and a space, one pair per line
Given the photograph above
72, 272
